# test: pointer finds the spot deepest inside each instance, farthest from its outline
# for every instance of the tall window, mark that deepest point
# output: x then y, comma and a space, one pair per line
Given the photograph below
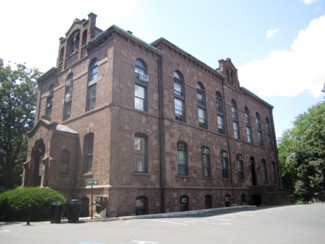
224, 164
235, 121
259, 129
240, 167
182, 158
74, 42
89, 152
269, 133
68, 97
205, 154
92, 84
179, 96
64, 165
220, 115
248, 126
274, 172
49, 103
200, 94
140, 153
264, 170
141, 85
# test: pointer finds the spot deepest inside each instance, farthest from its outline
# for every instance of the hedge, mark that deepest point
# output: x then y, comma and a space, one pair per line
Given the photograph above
14, 203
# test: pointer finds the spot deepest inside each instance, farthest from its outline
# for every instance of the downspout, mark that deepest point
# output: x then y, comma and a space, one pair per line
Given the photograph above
161, 135
228, 143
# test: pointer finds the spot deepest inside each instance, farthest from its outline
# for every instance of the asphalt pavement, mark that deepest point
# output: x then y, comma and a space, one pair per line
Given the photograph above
282, 224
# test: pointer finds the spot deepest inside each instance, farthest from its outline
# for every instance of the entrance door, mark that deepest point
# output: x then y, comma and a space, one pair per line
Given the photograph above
253, 171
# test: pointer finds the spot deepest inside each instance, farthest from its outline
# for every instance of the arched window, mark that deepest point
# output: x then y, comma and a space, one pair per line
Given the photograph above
220, 115
240, 167
140, 153
248, 126
65, 159
259, 130
92, 84
206, 167
141, 205
179, 96
274, 174
224, 164
200, 94
89, 152
141, 86
235, 120
182, 158
68, 97
264, 170
49, 103
269, 133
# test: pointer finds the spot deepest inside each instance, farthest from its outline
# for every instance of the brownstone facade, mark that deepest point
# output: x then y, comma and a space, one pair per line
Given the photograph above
160, 130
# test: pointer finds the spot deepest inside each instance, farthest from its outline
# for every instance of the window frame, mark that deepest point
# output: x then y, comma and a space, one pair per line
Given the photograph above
67, 106
49, 103
89, 152
206, 162
224, 164
180, 114
249, 136
182, 164
235, 120
64, 162
240, 167
202, 109
259, 129
220, 113
140, 67
141, 153
92, 84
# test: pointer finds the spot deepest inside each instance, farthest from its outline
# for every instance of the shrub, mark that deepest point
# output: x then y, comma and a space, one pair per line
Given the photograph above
14, 203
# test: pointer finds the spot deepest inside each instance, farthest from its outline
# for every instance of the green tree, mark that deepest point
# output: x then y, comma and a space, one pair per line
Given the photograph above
17, 108
302, 154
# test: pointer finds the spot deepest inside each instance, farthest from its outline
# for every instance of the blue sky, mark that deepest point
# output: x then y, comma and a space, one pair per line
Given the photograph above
277, 45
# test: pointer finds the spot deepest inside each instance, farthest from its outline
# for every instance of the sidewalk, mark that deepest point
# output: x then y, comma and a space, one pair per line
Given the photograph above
163, 215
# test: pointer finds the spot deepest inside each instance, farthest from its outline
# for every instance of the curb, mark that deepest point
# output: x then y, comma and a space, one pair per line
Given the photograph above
165, 215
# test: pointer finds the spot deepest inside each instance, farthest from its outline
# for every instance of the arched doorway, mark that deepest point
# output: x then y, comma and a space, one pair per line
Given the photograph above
253, 171
36, 169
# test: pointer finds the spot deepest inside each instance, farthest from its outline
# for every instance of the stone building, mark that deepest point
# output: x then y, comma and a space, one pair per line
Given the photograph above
152, 127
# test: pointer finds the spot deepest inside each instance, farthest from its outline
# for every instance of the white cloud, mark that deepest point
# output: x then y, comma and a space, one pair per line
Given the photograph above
290, 72
309, 1
270, 33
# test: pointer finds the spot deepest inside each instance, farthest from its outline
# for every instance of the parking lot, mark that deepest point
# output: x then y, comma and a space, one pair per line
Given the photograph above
285, 224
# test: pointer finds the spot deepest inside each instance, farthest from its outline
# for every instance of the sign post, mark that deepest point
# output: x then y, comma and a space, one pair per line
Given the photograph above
91, 182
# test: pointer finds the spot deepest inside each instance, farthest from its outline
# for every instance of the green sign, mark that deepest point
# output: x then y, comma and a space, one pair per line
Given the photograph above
91, 182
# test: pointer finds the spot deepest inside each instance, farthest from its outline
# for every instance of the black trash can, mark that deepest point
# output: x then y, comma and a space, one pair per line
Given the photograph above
73, 211
56, 210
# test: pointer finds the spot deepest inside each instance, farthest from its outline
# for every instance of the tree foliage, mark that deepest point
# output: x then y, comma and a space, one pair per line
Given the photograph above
17, 109
302, 154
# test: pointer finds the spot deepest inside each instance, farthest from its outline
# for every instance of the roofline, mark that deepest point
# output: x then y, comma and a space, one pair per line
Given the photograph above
165, 41
124, 33
254, 96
